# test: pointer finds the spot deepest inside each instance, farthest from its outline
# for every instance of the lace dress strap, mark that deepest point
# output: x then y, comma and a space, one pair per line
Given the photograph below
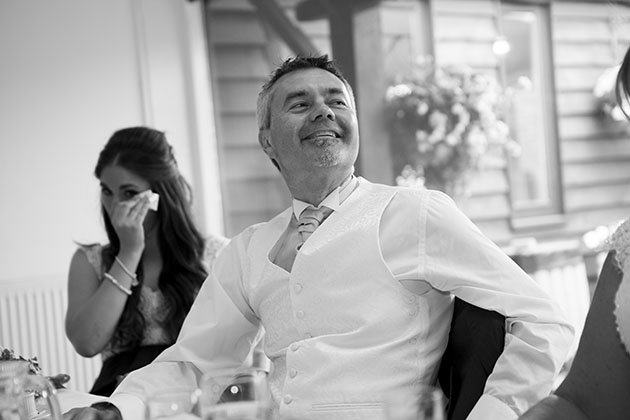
94, 254
214, 243
620, 243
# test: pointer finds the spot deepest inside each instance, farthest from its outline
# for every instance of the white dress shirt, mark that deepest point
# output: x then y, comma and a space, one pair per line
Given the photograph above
342, 331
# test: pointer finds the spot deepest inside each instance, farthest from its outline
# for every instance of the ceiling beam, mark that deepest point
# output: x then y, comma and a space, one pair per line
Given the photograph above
275, 16
321, 9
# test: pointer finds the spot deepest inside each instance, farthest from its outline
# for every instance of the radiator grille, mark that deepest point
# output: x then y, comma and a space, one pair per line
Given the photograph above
32, 324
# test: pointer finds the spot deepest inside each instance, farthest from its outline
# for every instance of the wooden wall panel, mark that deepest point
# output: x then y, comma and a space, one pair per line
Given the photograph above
576, 102
581, 126
243, 62
470, 8
582, 53
237, 28
596, 173
239, 129
578, 76
461, 27
593, 150
247, 163
586, 37
572, 29
238, 95
598, 197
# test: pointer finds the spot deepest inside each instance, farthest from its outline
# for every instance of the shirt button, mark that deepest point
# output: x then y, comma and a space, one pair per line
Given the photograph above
413, 340
308, 335
293, 372
295, 347
300, 314
297, 287
287, 399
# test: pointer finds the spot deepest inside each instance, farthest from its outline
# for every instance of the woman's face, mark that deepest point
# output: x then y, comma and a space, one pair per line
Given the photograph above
118, 184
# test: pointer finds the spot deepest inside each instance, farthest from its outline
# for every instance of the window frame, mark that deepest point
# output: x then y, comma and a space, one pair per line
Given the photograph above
551, 212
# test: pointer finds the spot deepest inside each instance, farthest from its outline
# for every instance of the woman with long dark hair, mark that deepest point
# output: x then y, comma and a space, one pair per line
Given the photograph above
597, 384
127, 299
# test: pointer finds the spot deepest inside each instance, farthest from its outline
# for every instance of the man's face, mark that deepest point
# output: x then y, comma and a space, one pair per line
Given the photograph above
313, 125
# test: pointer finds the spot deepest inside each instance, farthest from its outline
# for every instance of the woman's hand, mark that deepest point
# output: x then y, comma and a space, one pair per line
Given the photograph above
127, 218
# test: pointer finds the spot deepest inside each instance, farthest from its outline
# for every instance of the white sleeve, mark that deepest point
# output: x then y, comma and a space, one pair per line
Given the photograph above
215, 338
461, 260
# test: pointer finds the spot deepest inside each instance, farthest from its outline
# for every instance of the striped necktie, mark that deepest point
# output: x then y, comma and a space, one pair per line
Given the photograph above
309, 220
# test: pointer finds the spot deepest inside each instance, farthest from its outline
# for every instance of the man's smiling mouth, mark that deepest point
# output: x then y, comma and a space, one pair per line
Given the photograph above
322, 134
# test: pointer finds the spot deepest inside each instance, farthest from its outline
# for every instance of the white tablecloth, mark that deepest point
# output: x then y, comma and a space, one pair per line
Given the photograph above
69, 399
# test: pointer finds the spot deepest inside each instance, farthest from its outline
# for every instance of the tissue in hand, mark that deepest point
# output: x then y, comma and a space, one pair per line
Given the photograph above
154, 199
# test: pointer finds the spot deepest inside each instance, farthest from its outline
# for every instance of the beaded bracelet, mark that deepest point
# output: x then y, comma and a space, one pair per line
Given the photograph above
117, 284
134, 278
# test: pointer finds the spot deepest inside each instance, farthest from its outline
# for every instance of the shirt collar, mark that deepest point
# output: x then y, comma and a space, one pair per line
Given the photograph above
332, 200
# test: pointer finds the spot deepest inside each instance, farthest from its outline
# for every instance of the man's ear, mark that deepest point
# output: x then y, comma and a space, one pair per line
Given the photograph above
263, 139
265, 143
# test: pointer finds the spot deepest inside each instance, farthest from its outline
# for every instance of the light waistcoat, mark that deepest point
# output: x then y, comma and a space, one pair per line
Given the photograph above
341, 332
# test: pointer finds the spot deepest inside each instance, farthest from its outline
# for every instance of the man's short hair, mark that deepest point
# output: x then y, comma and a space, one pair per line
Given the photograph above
263, 111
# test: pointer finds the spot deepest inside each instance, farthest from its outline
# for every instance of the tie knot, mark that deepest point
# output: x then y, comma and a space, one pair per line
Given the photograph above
309, 220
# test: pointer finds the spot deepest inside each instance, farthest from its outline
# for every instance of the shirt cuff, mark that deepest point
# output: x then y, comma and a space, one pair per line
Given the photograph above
489, 407
131, 407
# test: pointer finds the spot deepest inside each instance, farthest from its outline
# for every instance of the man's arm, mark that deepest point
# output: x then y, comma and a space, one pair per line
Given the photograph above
215, 337
461, 260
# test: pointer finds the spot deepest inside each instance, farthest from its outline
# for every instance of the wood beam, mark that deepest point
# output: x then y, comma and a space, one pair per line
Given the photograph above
317, 9
274, 15
356, 38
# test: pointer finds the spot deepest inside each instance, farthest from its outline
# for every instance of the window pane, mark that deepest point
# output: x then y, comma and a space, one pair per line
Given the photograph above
529, 170
528, 77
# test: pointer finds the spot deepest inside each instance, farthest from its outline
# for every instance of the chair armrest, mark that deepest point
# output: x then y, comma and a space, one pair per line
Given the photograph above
476, 340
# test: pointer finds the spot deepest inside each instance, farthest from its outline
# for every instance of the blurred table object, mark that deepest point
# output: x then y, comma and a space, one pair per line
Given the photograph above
559, 268
69, 399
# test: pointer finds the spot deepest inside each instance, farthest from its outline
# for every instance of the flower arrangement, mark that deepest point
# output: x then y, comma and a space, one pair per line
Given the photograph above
33, 363
442, 121
604, 93
34, 367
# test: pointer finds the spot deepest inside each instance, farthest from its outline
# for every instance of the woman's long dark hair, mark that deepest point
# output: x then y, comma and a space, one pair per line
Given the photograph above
622, 91
146, 153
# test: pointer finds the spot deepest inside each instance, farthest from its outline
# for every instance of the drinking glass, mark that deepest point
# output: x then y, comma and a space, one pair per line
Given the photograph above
427, 404
244, 396
172, 404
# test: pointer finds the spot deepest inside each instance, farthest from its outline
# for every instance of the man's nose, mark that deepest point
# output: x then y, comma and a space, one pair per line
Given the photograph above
323, 111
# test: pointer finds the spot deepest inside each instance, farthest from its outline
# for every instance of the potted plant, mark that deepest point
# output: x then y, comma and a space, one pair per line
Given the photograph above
442, 120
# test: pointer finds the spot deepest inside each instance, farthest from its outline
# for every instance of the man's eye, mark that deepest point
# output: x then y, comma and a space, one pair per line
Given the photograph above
298, 105
106, 191
339, 102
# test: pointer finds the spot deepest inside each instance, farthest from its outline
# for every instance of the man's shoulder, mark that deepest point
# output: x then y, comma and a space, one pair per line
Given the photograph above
412, 193
278, 221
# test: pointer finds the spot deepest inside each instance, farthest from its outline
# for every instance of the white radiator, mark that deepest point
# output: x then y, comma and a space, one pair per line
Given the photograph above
568, 285
32, 316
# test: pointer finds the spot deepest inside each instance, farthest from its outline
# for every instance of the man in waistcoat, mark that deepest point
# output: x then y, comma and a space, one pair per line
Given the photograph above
353, 285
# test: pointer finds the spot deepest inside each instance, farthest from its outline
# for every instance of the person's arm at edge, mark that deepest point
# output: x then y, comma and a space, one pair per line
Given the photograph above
597, 383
